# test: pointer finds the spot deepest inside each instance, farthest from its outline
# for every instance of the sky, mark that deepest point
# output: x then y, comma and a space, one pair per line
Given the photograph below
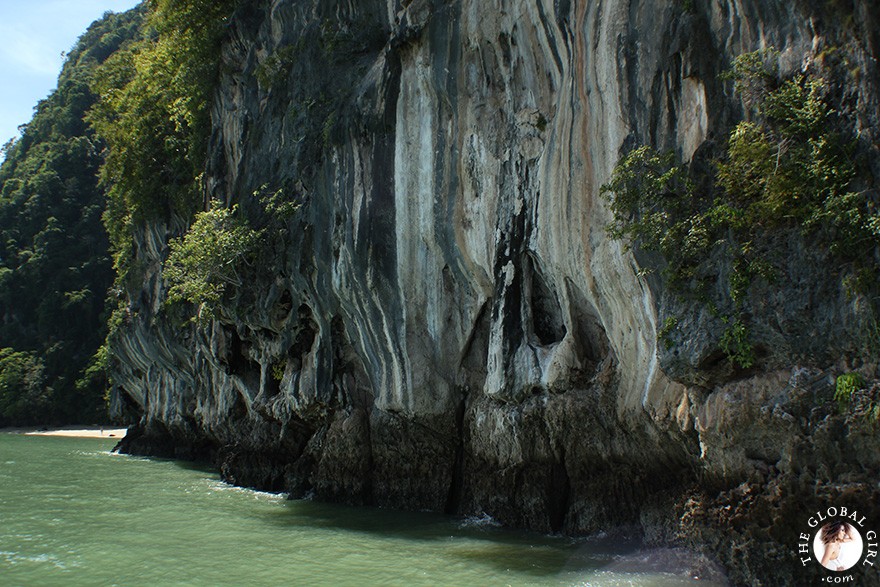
33, 35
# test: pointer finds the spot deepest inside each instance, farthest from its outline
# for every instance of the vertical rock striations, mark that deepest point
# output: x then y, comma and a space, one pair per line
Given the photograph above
444, 323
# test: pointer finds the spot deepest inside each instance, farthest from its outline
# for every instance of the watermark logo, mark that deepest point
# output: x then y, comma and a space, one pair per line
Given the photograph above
840, 541
838, 546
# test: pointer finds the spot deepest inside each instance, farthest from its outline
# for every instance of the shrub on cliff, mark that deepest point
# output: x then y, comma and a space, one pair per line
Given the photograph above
208, 259
154, 115
786, 167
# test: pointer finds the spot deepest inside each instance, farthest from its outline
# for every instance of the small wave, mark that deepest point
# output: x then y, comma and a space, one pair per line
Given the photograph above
484, 520
14, 558
92, 453
679, 563
220, 486
128, 457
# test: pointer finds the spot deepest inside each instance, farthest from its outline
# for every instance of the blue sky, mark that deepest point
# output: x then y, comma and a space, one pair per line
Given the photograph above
33, 33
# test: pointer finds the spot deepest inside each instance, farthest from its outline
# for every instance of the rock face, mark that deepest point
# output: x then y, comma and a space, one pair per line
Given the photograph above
444, 323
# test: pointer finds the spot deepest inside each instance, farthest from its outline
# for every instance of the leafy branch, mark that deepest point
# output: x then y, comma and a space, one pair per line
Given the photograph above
208, 259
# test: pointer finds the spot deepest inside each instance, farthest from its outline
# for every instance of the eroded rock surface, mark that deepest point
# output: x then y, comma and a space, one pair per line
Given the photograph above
444, 323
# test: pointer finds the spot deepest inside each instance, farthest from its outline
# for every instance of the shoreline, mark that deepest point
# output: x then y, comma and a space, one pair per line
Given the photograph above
70, 431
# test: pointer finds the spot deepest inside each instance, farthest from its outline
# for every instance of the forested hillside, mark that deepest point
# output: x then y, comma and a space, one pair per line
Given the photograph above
55, 268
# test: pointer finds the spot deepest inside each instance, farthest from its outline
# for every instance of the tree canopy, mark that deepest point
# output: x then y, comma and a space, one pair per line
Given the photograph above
154, 116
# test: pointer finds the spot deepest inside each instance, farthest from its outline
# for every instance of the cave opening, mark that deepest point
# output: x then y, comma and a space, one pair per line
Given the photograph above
547, 323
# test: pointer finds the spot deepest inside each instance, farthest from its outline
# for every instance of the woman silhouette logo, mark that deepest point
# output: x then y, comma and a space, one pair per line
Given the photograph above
838, 546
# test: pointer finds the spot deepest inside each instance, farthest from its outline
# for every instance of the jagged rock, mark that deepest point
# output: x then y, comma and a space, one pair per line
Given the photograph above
454, 328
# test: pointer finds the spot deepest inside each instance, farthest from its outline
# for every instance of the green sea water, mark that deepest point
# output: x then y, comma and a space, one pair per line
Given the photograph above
72, 513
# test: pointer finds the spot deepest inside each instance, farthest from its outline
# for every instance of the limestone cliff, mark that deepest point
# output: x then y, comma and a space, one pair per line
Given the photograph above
444, 322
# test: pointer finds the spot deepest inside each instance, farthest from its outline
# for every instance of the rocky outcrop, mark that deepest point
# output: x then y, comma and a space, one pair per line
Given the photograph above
444, 322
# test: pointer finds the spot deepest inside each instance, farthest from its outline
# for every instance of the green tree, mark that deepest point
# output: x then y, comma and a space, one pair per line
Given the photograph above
208, 259
25, 397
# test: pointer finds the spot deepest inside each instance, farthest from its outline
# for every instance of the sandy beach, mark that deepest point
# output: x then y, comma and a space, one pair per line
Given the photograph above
74, 431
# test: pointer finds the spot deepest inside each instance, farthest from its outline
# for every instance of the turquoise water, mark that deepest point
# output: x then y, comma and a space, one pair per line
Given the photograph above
72, 513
